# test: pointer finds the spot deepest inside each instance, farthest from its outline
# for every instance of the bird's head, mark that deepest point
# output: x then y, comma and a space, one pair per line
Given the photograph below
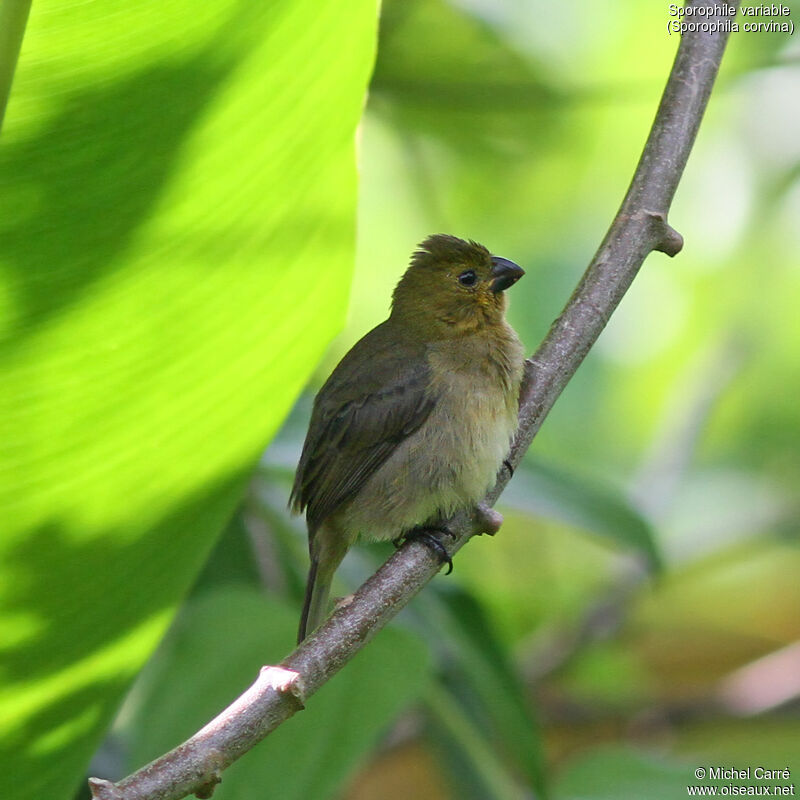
454, 286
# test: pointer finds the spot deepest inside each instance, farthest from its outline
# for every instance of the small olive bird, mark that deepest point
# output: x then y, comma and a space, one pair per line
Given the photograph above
417, 418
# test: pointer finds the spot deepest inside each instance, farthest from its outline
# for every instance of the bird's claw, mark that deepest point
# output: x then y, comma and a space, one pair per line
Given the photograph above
425, 535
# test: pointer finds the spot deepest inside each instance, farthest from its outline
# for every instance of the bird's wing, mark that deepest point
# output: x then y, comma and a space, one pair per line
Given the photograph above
375, 398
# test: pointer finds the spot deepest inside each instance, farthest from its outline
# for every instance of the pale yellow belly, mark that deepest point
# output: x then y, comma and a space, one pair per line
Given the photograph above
447, 465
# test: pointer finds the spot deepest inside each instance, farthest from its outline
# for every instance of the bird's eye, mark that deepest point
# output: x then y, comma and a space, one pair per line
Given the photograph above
468, 278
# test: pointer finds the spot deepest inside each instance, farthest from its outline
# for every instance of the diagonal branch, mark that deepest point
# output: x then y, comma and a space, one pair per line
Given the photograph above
639, 228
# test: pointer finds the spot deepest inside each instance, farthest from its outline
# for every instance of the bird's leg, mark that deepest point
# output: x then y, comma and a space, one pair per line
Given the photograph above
509, 466
424, 534
439, 529
398, 542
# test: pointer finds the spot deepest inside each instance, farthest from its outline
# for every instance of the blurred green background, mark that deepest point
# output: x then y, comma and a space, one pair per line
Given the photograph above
190, 297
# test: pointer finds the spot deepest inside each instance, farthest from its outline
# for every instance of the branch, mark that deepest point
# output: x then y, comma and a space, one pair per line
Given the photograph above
639, 228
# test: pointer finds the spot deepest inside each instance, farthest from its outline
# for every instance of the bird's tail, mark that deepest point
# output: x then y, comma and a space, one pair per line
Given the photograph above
324, 562
316, 602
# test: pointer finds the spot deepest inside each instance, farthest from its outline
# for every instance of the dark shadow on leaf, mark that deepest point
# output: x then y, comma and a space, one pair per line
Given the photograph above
84, 591
76, 192
95, 172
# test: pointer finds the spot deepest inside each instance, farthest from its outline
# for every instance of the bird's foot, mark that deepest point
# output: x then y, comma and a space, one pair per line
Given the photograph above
425, 535
509, 466
488, 519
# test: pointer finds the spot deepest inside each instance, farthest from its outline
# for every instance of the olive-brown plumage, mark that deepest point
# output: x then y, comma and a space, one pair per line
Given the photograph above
416, 419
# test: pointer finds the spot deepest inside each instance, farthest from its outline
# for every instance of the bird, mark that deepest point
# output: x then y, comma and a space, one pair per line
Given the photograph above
417, 418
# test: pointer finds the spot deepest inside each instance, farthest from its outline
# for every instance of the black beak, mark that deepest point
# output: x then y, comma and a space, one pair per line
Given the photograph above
505, 274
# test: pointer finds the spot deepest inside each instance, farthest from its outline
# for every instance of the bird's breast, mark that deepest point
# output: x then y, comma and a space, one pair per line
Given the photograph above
452, 459
469, 436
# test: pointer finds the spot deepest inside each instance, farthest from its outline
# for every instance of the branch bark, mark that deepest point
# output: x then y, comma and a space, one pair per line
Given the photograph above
639, 227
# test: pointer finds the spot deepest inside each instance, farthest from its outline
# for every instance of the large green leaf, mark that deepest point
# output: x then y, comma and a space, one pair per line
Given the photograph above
13, 18
176, 243
214, 653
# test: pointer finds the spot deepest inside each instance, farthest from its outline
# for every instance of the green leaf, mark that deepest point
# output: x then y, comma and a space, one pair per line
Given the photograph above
613, 772
480, 672
214, 653
481, 773
461, 81
13, 17
547, 491
177, 231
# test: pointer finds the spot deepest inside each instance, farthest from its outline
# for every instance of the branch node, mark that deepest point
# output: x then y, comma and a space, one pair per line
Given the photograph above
285, 681
206, 789
487, 519
103, 790
670, 241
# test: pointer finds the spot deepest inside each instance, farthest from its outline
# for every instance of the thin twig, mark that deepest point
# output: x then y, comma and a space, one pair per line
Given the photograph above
639, 228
